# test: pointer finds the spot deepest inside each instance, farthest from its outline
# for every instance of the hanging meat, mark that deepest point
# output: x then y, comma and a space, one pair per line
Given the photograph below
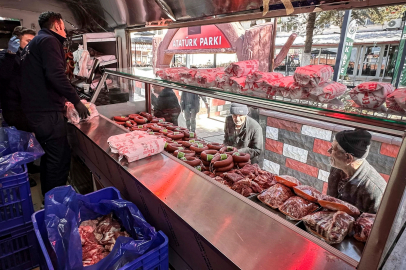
331, 227
275, 196
363, 226
296, 207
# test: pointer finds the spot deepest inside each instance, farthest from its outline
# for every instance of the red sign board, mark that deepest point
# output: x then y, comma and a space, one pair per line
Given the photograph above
200, 37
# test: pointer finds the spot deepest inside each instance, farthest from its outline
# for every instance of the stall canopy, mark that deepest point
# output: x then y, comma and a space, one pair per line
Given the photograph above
105, 15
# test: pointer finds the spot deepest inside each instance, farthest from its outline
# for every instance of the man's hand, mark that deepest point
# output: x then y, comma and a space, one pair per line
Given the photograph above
82, 110
13, 44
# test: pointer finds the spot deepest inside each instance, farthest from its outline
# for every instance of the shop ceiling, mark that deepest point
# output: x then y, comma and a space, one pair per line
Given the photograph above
100, 15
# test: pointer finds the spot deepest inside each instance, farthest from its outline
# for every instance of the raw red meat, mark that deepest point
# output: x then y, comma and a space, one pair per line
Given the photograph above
233, 177
275, 196
307, 192
250, 170
331, 227
98, 238
265, 179
246, 187
338, 205
296, 207
363, 226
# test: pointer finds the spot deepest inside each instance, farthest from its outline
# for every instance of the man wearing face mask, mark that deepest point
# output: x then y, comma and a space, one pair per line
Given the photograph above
44, 90
243, 132
352, 178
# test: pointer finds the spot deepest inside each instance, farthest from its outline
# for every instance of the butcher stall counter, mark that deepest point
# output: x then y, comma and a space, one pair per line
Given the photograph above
208, 225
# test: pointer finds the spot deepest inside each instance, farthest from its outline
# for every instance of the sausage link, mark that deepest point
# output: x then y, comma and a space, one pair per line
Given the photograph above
218, 163
215, 146
207, 154
226, 168
241, 157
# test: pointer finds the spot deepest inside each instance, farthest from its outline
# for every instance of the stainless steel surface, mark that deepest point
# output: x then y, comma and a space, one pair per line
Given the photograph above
386, 214
385, 127
241, 230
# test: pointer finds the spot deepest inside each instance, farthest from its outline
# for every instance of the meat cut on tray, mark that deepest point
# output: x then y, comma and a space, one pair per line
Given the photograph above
275, 196
307, 192
338, 205
331, 227
363, 226
296, 207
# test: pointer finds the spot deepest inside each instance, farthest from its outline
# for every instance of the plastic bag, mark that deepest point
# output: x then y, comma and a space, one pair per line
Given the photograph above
326, 92
296, 208
331, 227
65, 210
17, 148
73, 116
276, 195
397, 101
371, 95
136, 145
242, 68
313, 75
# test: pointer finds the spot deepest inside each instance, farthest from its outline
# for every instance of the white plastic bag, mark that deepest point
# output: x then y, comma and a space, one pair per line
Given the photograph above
73, 116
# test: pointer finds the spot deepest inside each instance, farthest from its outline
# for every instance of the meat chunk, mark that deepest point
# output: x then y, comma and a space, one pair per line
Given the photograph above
98, 238
363, 226
331, 227
250, 170
296, 207
307, 192
246, 187
275, 196
265, 181
233, 177
338, 205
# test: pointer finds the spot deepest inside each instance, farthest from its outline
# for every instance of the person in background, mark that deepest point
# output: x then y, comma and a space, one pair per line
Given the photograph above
190, 105
44, 91
10, 79
352, 178
243, 132
166, 105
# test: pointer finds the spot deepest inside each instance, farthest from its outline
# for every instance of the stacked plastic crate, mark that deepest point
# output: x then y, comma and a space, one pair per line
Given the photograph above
18, 244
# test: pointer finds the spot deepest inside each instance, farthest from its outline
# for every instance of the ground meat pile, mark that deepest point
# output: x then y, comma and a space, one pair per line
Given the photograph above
98, 238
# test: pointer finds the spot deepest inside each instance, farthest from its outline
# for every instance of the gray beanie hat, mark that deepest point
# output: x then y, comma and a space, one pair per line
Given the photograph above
239, 109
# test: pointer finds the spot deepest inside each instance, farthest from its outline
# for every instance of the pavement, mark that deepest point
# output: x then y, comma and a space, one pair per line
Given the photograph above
210, 129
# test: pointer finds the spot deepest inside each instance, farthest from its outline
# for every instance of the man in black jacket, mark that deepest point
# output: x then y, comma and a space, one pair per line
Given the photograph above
44, 91
243, 132
10, 78
166, 105
352, 178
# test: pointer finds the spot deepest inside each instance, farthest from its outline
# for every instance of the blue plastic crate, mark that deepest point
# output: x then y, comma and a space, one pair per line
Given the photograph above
16, 205
19, 248
156, 259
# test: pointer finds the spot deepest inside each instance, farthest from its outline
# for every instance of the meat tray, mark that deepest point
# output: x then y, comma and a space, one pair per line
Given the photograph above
274, 211
349, 246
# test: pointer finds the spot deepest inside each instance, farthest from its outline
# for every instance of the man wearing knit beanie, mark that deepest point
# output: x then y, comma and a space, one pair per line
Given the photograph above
352, 178
243, 132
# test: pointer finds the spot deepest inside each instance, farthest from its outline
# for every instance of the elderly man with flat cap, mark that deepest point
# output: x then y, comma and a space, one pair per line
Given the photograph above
243, 132
352, 178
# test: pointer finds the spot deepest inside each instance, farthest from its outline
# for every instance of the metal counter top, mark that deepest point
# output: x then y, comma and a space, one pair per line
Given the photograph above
246, 234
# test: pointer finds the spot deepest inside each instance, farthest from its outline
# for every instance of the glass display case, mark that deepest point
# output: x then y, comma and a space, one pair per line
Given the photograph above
296, 137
